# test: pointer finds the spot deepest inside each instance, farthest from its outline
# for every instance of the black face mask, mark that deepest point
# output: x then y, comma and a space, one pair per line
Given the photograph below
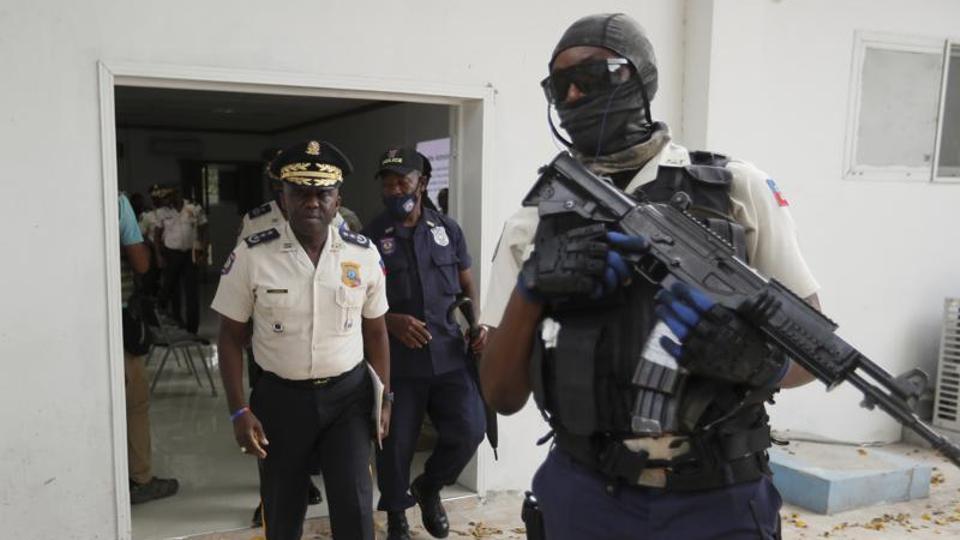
605, 122
400, 206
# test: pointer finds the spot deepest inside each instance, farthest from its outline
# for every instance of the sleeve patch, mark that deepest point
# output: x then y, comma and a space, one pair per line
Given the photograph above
354, 238
262, 237
777, 194
261, 210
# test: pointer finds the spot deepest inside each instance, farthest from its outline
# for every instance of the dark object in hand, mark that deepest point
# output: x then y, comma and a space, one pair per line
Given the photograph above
569, 264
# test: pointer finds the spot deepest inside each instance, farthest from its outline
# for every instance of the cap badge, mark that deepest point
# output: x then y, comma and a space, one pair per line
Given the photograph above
313, 148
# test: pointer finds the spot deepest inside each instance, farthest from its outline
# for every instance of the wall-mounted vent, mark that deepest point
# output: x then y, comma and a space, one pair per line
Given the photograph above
946, 409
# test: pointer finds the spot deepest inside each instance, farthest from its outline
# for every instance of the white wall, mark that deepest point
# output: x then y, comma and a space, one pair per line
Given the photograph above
884, 253
57, 480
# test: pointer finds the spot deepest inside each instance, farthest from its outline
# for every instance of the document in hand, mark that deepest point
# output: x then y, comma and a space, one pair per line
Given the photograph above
377, 402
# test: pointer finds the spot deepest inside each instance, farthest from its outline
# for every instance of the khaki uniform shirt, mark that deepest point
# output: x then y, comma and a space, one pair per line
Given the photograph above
771, 235
306, 319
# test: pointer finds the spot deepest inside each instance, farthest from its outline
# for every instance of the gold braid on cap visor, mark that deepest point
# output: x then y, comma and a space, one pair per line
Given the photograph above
299, 173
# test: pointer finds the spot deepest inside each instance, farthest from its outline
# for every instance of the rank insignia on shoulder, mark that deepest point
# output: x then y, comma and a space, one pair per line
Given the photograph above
259, 211
354, 238
262, 237
229, 264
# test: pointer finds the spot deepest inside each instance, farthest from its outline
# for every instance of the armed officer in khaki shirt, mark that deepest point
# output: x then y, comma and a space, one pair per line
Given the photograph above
317, 296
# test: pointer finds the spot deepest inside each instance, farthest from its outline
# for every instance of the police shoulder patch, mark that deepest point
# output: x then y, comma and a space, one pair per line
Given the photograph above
354, 238
259, 211
262, 237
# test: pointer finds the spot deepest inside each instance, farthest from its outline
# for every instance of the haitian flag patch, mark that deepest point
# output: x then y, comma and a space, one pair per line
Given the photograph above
777, 194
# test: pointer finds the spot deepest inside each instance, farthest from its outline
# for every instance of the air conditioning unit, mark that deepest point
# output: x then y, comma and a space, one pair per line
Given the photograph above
946, 409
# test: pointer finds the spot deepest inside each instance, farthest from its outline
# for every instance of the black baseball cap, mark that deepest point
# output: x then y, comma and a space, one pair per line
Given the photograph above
400, 160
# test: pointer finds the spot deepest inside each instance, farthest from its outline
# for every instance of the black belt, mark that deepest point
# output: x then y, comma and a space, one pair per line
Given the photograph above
310, 384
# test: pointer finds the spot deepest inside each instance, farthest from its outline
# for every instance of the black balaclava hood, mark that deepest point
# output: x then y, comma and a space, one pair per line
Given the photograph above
607, 122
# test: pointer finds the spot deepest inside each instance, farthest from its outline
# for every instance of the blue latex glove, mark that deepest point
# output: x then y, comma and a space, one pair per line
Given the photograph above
681, 308
618, 273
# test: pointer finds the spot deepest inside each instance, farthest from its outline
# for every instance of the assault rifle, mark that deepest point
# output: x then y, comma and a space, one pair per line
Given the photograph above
683, 248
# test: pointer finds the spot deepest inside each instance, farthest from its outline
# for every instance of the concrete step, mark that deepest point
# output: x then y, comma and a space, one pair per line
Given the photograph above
830, 478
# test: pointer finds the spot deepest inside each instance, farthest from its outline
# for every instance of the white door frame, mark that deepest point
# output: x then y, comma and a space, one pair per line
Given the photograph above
471, 129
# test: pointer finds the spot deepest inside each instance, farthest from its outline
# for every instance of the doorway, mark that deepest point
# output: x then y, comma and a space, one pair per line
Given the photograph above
206, 137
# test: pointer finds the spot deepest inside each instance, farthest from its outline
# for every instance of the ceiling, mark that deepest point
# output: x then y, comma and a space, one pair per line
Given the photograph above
233, 112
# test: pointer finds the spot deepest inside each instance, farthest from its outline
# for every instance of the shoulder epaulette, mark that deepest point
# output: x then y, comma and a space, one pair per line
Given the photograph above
262, 237
259, 211
354, 238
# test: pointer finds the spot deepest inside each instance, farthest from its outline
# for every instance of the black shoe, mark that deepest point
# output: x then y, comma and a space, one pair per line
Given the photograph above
434, 516
397, 527
257, 520
313, 494
156, 488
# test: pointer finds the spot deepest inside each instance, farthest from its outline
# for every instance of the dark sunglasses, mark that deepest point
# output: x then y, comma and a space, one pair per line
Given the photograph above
589, 77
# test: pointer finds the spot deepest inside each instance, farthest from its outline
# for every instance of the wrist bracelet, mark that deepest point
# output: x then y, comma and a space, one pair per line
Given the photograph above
238, 413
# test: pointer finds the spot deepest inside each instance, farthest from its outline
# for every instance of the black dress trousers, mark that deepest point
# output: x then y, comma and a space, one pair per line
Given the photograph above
330, 424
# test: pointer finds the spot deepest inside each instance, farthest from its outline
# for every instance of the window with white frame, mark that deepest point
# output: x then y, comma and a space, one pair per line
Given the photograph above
904, 114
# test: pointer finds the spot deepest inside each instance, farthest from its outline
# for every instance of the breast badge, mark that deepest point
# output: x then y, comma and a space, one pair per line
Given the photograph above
440, 236
350, 274
388, 245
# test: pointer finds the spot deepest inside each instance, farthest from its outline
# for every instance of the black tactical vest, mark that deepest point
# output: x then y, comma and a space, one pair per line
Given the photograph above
584, 380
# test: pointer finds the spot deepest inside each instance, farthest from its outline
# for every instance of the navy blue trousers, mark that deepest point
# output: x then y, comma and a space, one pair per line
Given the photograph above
576, 506
453, 402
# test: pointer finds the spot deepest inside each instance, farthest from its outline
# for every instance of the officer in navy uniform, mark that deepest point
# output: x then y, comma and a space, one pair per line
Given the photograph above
317, 297
427, 267
576, 327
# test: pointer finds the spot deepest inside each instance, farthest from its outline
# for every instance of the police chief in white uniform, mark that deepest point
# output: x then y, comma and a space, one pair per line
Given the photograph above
317, 298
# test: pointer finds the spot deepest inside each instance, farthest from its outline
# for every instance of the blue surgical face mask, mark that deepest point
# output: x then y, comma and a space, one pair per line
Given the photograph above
400, 206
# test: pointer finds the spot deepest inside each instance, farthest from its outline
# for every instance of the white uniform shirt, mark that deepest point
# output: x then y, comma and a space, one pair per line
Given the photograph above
180, 228
148, 222
261, 218
771, 235
306, 319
